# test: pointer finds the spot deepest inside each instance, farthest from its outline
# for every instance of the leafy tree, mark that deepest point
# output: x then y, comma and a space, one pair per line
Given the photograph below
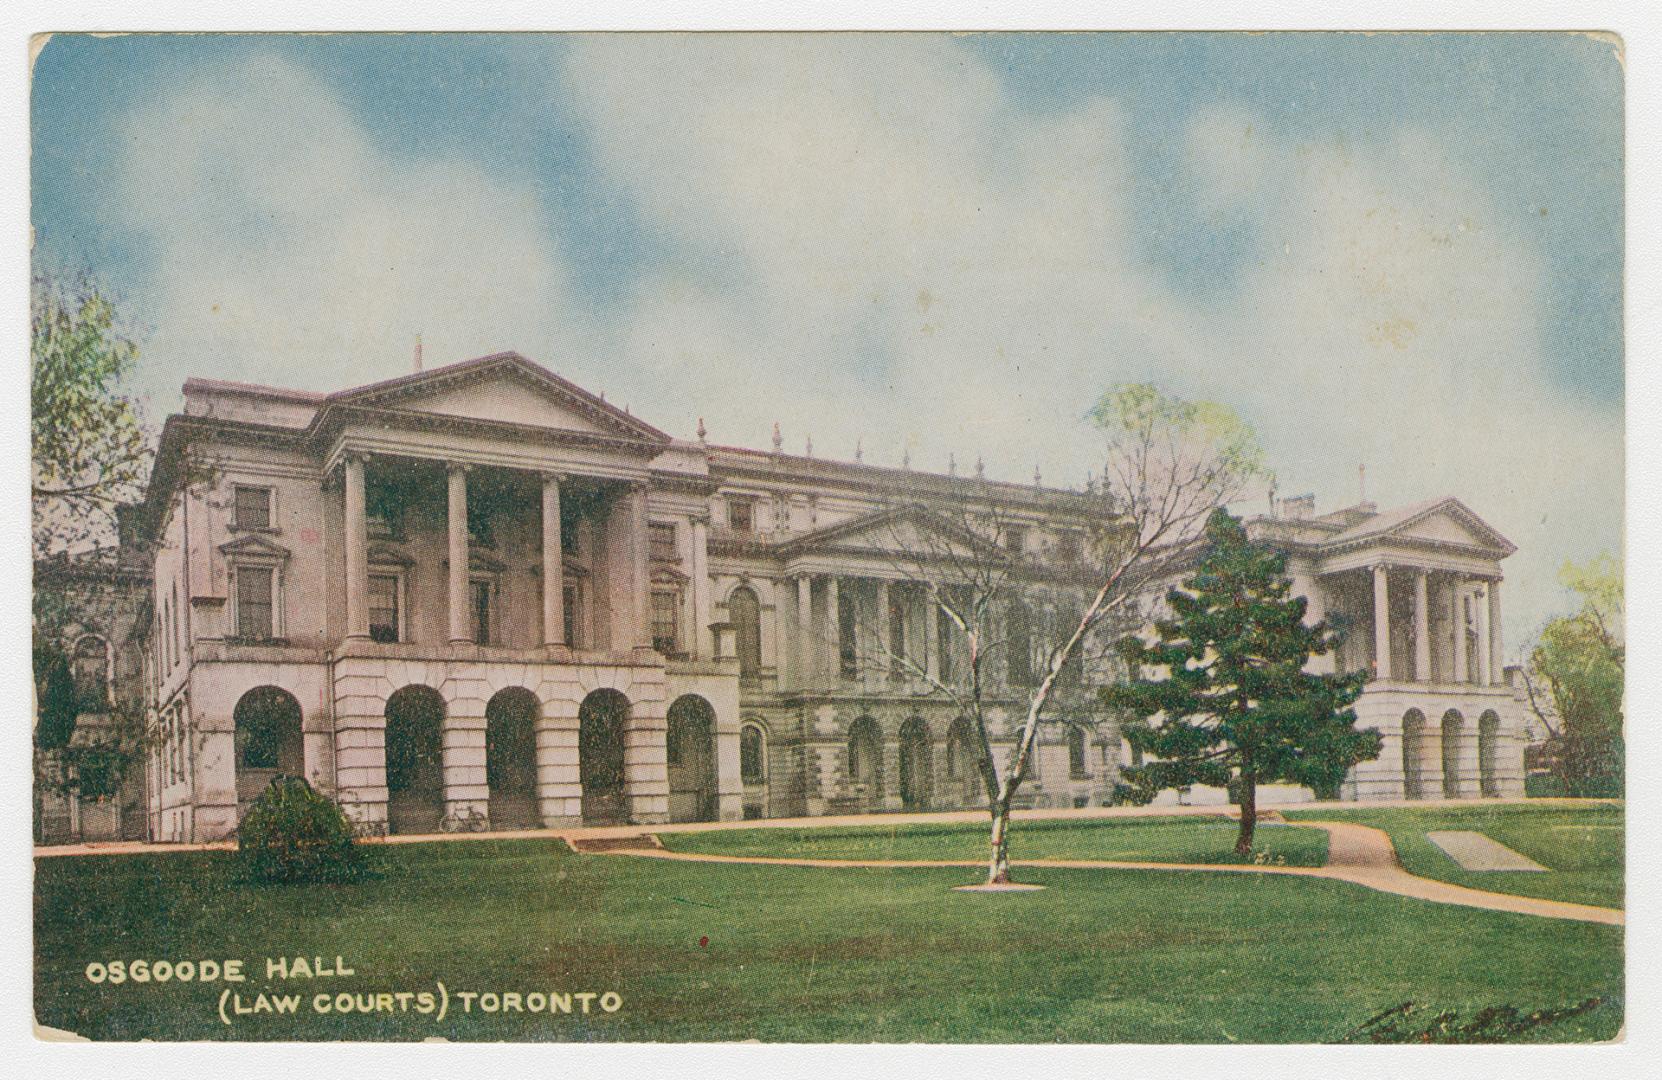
1580, 660
1235, 702
1167, 463
90, 450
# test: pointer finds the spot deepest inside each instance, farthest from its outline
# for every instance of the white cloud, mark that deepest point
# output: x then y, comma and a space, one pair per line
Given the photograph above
875, 243
289, 248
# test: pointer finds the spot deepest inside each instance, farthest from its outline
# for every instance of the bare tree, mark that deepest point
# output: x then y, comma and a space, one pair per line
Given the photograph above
1168, 463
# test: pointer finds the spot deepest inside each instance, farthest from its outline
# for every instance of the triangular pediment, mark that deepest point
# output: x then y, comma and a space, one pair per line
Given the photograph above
252, 545
504, 388
1443, 522
1444, 528
911, 529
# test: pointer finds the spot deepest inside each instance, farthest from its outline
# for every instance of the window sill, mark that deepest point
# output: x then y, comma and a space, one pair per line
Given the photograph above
263, 530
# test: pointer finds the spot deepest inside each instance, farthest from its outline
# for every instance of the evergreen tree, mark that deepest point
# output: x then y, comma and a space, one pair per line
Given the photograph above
1229, 686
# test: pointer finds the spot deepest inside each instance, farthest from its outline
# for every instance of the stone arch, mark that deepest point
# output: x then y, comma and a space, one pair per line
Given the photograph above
962, 769
1413, 747
511, 718
916, 765
691, 744
865, 763
92, 663
268, 741
1488, 749
415, 759
744, 611
1453, 737
754, 768
602, 719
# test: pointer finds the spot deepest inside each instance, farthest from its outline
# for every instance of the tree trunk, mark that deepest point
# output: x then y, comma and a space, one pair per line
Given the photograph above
1249, 813
998, 868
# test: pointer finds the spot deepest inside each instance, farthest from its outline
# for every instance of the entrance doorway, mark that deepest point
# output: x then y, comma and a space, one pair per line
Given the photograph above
511, 758
415, 760
692, 759
916, 784
601, 721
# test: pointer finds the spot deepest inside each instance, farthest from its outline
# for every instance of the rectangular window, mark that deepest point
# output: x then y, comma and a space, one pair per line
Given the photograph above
383, 607
1070, 549
1015, 538
479, 612
254, 602
897, 633
945, 631
741, 515
665, 620
661, 541
572, 620
383, 512
847, 658
252, 507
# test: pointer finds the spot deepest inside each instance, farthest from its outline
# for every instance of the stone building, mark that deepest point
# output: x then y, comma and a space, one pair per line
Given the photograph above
95, 605
482, 596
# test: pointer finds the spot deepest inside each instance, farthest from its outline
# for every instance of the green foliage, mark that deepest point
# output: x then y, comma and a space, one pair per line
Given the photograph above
1414, 1023
294, 834
58, 705
1581, 661
1235, 700
88, 445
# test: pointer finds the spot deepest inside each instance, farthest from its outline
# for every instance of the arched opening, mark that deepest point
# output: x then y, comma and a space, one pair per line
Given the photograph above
601, 721
1488, 739
865, 764
1413, 745
268, 740
511, 758
1453, 735
745, 613
91, 669
692, 759
916, 788
963, 769
753, 769
1077, 766
415, 760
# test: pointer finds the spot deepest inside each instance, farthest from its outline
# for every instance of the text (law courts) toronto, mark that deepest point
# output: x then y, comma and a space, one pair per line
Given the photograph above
483, 597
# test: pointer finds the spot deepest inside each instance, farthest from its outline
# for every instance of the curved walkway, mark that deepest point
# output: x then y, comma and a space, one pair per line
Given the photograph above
1359, 854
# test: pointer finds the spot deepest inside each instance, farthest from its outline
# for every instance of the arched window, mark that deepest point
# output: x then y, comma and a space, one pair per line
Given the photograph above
1076, 753
745, 612
865, 747
92, 673
753, 754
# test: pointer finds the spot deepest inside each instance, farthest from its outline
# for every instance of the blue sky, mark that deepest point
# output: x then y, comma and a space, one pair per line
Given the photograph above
1402, 250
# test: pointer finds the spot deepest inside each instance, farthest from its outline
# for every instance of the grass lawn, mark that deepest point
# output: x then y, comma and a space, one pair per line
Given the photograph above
1582, 845
724, 952
1173, 839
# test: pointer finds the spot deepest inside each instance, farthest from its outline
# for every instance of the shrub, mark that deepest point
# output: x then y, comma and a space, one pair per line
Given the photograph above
292, 833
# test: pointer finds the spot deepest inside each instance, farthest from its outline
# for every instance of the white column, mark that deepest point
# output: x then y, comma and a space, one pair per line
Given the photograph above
1381, 622
804, 631
639, 577
1497, 655
701, 647
357, 551
553, 569
457, 524
1458, 622
1422, 629
881, 653
1483, 643
834, 636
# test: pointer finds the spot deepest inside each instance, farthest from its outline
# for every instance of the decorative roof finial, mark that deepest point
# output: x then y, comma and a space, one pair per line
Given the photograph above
1038, 478
778, 440
1362, 483
418, 353
952, 464
701, 432
906, 458
809, 452
859, 455
980, 468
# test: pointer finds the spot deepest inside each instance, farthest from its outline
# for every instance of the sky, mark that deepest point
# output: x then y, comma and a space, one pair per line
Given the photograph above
1397, 251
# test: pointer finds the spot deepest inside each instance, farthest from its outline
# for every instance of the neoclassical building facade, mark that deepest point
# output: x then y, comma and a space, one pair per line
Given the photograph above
483, 597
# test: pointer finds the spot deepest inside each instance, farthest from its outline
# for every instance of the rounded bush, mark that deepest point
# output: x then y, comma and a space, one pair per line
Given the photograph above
292, 833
